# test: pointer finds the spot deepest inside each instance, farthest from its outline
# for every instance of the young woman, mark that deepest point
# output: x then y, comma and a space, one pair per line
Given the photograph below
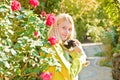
69, 51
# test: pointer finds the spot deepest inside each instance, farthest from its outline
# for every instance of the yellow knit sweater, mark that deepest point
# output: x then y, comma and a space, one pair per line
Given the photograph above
68, 70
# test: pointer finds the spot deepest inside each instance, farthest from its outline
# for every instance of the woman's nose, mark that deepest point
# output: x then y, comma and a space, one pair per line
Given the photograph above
67, 31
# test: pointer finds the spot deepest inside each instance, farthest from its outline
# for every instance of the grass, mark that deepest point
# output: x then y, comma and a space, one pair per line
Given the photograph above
103, 62
106, 63
100, 54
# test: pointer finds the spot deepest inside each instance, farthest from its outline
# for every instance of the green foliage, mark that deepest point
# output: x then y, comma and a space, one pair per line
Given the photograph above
109, 40
94, 33
50, 6
101, 54
105, 63
92, 19
111, 37
89, 19
112, 8
116, 49
80, 12
20, 49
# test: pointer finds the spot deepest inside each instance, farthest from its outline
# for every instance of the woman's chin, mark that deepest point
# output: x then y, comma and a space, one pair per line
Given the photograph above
64, 39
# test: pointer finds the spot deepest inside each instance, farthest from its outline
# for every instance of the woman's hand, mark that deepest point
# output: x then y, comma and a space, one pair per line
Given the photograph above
77, 49
73, 45
78, 46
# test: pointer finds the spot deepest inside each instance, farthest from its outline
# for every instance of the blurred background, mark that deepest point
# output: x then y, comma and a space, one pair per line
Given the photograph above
96, 21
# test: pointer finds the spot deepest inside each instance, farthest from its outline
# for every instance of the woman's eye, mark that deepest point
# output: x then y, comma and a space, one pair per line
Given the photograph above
63, 27
70, 29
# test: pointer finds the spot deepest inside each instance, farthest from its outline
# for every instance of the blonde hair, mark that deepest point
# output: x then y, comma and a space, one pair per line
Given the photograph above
54, 29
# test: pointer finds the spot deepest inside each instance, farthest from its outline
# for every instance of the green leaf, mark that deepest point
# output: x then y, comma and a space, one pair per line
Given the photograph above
36, 43
17, 46
8, 22
7, 65
11, 31
32, 19
3, 8
6, 49
20, 16
58, 69
26, 12
4, 56
11, 16
9, 42
1, 45
36, 70
18, 71
13, 52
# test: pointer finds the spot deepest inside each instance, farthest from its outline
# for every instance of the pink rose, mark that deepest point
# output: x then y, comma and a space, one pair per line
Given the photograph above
34, 3
35, 33
52, 40
50, 20
15, 6
46, 76
43, 13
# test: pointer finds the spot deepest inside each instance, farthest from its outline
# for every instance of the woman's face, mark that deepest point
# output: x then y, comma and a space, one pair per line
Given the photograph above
65, 30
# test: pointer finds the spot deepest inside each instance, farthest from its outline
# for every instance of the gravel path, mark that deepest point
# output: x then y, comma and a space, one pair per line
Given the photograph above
94, 71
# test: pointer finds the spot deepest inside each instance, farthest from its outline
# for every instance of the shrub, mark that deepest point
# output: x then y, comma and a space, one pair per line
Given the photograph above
23, 43
109, 39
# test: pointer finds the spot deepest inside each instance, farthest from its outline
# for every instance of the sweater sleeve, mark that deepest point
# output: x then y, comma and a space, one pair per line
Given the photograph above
76, 64
75, 67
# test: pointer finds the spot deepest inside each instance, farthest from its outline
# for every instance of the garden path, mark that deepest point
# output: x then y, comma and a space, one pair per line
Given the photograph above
94, 71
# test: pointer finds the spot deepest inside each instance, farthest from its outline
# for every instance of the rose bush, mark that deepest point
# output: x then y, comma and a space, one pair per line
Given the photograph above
23, 36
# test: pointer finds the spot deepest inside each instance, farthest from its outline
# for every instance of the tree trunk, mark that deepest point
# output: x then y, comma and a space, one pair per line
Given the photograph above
116, 67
